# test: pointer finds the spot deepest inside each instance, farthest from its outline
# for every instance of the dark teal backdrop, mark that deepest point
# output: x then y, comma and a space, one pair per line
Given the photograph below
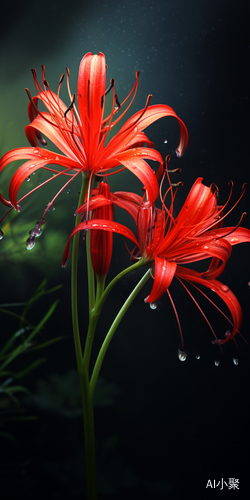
164, 428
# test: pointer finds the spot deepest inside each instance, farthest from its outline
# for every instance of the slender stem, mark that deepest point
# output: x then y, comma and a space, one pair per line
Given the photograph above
140, 263
87, 402
89, 435
74, 305
112, 330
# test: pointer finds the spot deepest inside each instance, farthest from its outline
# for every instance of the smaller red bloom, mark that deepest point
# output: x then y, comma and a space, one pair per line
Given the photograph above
170, 244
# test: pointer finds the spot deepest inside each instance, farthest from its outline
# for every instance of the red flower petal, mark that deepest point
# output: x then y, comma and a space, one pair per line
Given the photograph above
164, 273
99, 224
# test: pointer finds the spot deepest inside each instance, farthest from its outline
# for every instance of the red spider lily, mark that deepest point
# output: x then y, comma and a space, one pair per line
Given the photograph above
166, 243
82, 135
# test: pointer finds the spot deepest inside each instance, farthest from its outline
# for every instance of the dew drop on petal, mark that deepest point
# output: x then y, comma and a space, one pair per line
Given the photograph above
235, 361
182, 355
1, 234
216, 362
153, 305
30, 243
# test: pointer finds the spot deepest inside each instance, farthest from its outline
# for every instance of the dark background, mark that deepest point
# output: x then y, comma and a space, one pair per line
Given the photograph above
164, 428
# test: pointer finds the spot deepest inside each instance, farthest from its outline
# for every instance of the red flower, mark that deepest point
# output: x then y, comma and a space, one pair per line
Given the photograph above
82, 135
167, 244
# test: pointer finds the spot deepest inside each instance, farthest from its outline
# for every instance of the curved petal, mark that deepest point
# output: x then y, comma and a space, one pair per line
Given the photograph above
38, 160
200, 204
100, 224
61, 137
164, 273
132, 159
34, 154
197, 213
135, 124
95, 202
91, 95
232, 235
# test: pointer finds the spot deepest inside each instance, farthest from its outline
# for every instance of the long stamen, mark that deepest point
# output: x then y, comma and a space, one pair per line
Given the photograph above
202, 312
176, 315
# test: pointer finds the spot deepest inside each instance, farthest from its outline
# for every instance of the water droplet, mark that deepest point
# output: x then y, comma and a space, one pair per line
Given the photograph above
182, 355
18, 209
227, 333
153, 305
50, 207
235, 361
217, 362
68, 191
28, 178
1, 234
198, 356
30, 243
35, 232
165, 141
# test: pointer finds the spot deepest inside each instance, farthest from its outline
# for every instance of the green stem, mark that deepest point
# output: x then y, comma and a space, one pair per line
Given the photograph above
87, 402
112, 330
140, 263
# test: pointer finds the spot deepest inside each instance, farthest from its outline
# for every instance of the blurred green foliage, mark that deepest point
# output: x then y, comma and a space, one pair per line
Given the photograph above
20, 343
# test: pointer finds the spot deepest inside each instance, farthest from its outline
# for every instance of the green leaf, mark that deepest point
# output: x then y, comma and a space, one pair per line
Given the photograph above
30, 368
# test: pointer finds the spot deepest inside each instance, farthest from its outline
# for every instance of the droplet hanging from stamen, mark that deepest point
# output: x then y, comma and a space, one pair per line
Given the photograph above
235, 361
35, 232
1, 234
153, 305
30, 243
216, 362
50, 207
182, 355
28, 178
